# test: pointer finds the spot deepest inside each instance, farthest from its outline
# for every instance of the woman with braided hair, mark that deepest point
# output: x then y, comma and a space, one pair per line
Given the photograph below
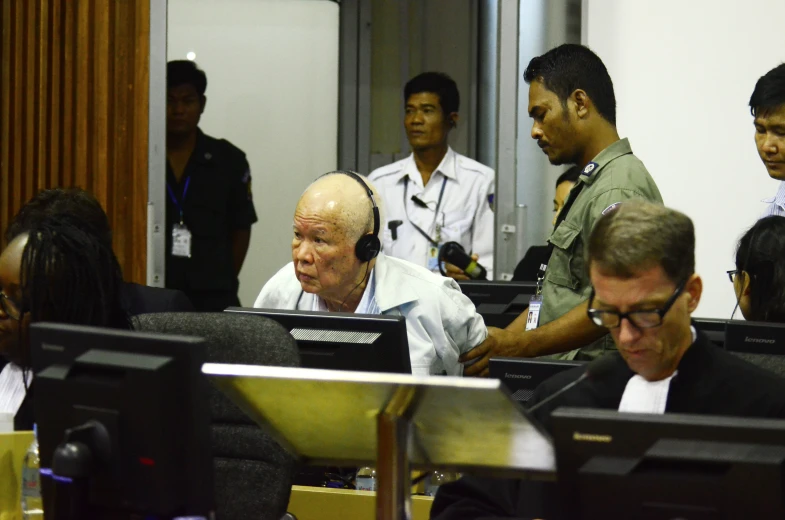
56, 272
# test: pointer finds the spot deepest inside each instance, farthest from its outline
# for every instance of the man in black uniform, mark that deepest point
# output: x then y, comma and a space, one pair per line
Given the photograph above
209, 208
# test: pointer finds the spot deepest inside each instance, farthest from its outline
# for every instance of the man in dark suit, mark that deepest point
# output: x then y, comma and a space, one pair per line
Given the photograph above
640, 259
85, 209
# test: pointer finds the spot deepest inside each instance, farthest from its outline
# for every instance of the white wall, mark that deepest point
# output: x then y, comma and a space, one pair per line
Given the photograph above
272, 90
683, 73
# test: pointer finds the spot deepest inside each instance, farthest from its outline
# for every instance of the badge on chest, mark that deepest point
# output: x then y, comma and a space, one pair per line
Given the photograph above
181, 241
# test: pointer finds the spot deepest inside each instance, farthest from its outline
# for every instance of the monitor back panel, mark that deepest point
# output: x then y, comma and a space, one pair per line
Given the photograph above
755, 337
522, 376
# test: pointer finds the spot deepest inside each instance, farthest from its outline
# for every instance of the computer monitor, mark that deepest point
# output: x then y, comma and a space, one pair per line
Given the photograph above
623, 465
499, 303
123, 422
522, 376
343, 340
713, 328
753, 337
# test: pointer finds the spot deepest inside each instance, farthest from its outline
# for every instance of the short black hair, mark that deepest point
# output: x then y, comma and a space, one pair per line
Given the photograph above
77, 203
761, 253
570, 67
185, 72
437, 83
570, 175
769, 91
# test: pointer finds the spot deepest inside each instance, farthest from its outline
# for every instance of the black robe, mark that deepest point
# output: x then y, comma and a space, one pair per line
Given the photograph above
710, 381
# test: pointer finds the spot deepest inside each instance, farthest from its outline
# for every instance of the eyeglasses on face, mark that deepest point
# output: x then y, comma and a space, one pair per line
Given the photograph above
647, 319
10, 307
732, 274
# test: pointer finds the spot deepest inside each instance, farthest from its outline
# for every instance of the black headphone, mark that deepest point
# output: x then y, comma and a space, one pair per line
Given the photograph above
368, 247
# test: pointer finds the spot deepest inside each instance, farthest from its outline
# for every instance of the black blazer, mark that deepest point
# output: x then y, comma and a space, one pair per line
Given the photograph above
710, 381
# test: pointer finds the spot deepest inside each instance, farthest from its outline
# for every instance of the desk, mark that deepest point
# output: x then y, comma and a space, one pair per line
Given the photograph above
12, 451
317, 503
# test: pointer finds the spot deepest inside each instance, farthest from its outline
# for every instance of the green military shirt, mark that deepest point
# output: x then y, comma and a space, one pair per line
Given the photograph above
614, 176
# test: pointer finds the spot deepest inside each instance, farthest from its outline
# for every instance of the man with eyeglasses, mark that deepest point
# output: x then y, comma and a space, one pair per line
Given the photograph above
641, 262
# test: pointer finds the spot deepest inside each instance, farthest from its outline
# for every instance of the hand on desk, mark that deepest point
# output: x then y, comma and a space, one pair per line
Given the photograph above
500, 343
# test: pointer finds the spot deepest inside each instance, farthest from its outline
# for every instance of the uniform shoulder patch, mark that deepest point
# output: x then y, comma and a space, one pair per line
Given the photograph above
395, 167
589, 169
611, 208
474, 166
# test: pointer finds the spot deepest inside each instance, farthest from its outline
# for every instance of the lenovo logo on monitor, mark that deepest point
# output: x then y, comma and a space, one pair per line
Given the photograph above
755, 337
521, 376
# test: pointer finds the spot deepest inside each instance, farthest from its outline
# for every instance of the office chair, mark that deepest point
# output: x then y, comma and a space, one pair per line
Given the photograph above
771, 362
253, 473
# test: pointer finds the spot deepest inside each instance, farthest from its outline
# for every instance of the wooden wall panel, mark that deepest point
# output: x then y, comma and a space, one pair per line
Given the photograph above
74, 110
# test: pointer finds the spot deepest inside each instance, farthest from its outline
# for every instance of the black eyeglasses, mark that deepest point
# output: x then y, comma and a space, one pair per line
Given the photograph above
10, 307
732, 274
641, 319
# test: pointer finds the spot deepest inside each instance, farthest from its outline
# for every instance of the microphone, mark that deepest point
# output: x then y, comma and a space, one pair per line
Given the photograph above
393, 226
419, 202
454, 253
597, 369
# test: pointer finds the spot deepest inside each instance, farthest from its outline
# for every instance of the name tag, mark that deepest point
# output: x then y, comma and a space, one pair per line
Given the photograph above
533, 319
181, 241
433, 258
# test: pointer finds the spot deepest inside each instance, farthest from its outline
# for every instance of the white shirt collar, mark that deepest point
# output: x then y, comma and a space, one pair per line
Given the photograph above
642, 396
779, 198
447, 167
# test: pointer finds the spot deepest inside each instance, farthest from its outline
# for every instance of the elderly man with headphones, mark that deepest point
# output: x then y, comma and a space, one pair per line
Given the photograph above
337, 265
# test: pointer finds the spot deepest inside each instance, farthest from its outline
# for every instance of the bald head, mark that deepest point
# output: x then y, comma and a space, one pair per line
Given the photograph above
342, 201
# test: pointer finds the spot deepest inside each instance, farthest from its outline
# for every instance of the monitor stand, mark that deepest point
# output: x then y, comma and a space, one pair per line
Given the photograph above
395, 422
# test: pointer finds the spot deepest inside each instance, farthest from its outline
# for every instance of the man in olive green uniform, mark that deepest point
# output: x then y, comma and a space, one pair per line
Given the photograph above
572, 103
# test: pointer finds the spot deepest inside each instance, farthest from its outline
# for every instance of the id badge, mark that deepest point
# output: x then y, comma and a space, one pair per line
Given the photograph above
181, 241
533, 319
433, 258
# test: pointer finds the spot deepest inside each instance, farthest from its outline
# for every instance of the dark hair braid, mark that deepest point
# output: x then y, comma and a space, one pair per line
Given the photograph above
71, 276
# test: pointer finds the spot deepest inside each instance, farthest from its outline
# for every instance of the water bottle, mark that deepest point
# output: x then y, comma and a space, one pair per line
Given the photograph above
32, 504
366, 479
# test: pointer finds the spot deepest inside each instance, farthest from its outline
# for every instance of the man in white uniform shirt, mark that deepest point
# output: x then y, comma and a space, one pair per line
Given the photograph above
767, 105
641, 262
435, 195
337, 266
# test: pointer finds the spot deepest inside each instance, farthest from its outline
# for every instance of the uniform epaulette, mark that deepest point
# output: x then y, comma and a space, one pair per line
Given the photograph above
390, 169
471, 165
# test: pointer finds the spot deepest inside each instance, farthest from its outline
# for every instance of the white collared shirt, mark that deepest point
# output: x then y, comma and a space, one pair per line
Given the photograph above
642, 396
776, 203
12, 388
465, 214
441, 322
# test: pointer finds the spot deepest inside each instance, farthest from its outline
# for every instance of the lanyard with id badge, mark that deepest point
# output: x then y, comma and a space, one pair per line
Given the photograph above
433, 247
181, 235
535, 303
